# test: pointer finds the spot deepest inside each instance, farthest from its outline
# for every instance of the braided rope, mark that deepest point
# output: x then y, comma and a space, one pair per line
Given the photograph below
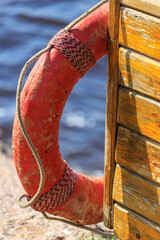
24, 131
74, 50
59, 193
28, 140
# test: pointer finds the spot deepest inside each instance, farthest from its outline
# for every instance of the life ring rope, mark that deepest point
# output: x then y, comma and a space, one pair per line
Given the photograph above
74, 50
59, 193
27, 137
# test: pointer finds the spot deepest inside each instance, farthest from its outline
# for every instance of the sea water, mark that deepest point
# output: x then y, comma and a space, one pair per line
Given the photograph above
25, 28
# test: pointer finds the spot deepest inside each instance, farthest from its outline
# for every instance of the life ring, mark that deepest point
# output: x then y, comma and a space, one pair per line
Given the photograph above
66, 193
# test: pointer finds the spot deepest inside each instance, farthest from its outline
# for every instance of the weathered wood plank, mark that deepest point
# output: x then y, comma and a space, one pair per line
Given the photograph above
137, 194
139, 72
139, 113
130, 226
140, 32
138, 154
151, 7
111, 109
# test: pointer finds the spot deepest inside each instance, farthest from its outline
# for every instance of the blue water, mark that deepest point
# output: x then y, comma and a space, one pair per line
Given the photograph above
25, 28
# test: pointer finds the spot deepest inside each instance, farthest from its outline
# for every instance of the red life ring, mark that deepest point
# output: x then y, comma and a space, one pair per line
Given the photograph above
66, 193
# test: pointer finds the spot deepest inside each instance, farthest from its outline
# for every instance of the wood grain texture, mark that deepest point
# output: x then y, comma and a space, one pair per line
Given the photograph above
130, 226
137, 194
151, 7
111, 109
140, 32
139, 113
139, 73
138, 154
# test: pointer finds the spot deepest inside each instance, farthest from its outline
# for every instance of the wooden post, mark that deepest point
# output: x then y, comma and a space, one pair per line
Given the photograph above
111, 111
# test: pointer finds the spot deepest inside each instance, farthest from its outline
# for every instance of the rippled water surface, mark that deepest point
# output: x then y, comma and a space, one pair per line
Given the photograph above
25, 28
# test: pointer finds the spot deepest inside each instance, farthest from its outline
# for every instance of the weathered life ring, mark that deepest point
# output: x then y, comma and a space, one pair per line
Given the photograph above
66, 193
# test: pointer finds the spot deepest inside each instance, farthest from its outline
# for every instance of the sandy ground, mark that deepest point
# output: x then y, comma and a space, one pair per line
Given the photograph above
26, 224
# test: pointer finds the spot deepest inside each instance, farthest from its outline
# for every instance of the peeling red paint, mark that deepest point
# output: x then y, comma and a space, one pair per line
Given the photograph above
43, 99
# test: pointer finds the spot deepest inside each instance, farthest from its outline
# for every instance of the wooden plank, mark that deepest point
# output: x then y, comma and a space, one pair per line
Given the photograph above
130, 226
111, 109
140, 32
139, 113
151, 7
138, 154
139, 72
137, 194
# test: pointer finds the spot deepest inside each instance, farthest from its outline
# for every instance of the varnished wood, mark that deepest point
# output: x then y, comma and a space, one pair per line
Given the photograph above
140, 32
139, 72
131, 226
138, 154
136, 67
111, 116
137, 194
139, 113
151, 7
